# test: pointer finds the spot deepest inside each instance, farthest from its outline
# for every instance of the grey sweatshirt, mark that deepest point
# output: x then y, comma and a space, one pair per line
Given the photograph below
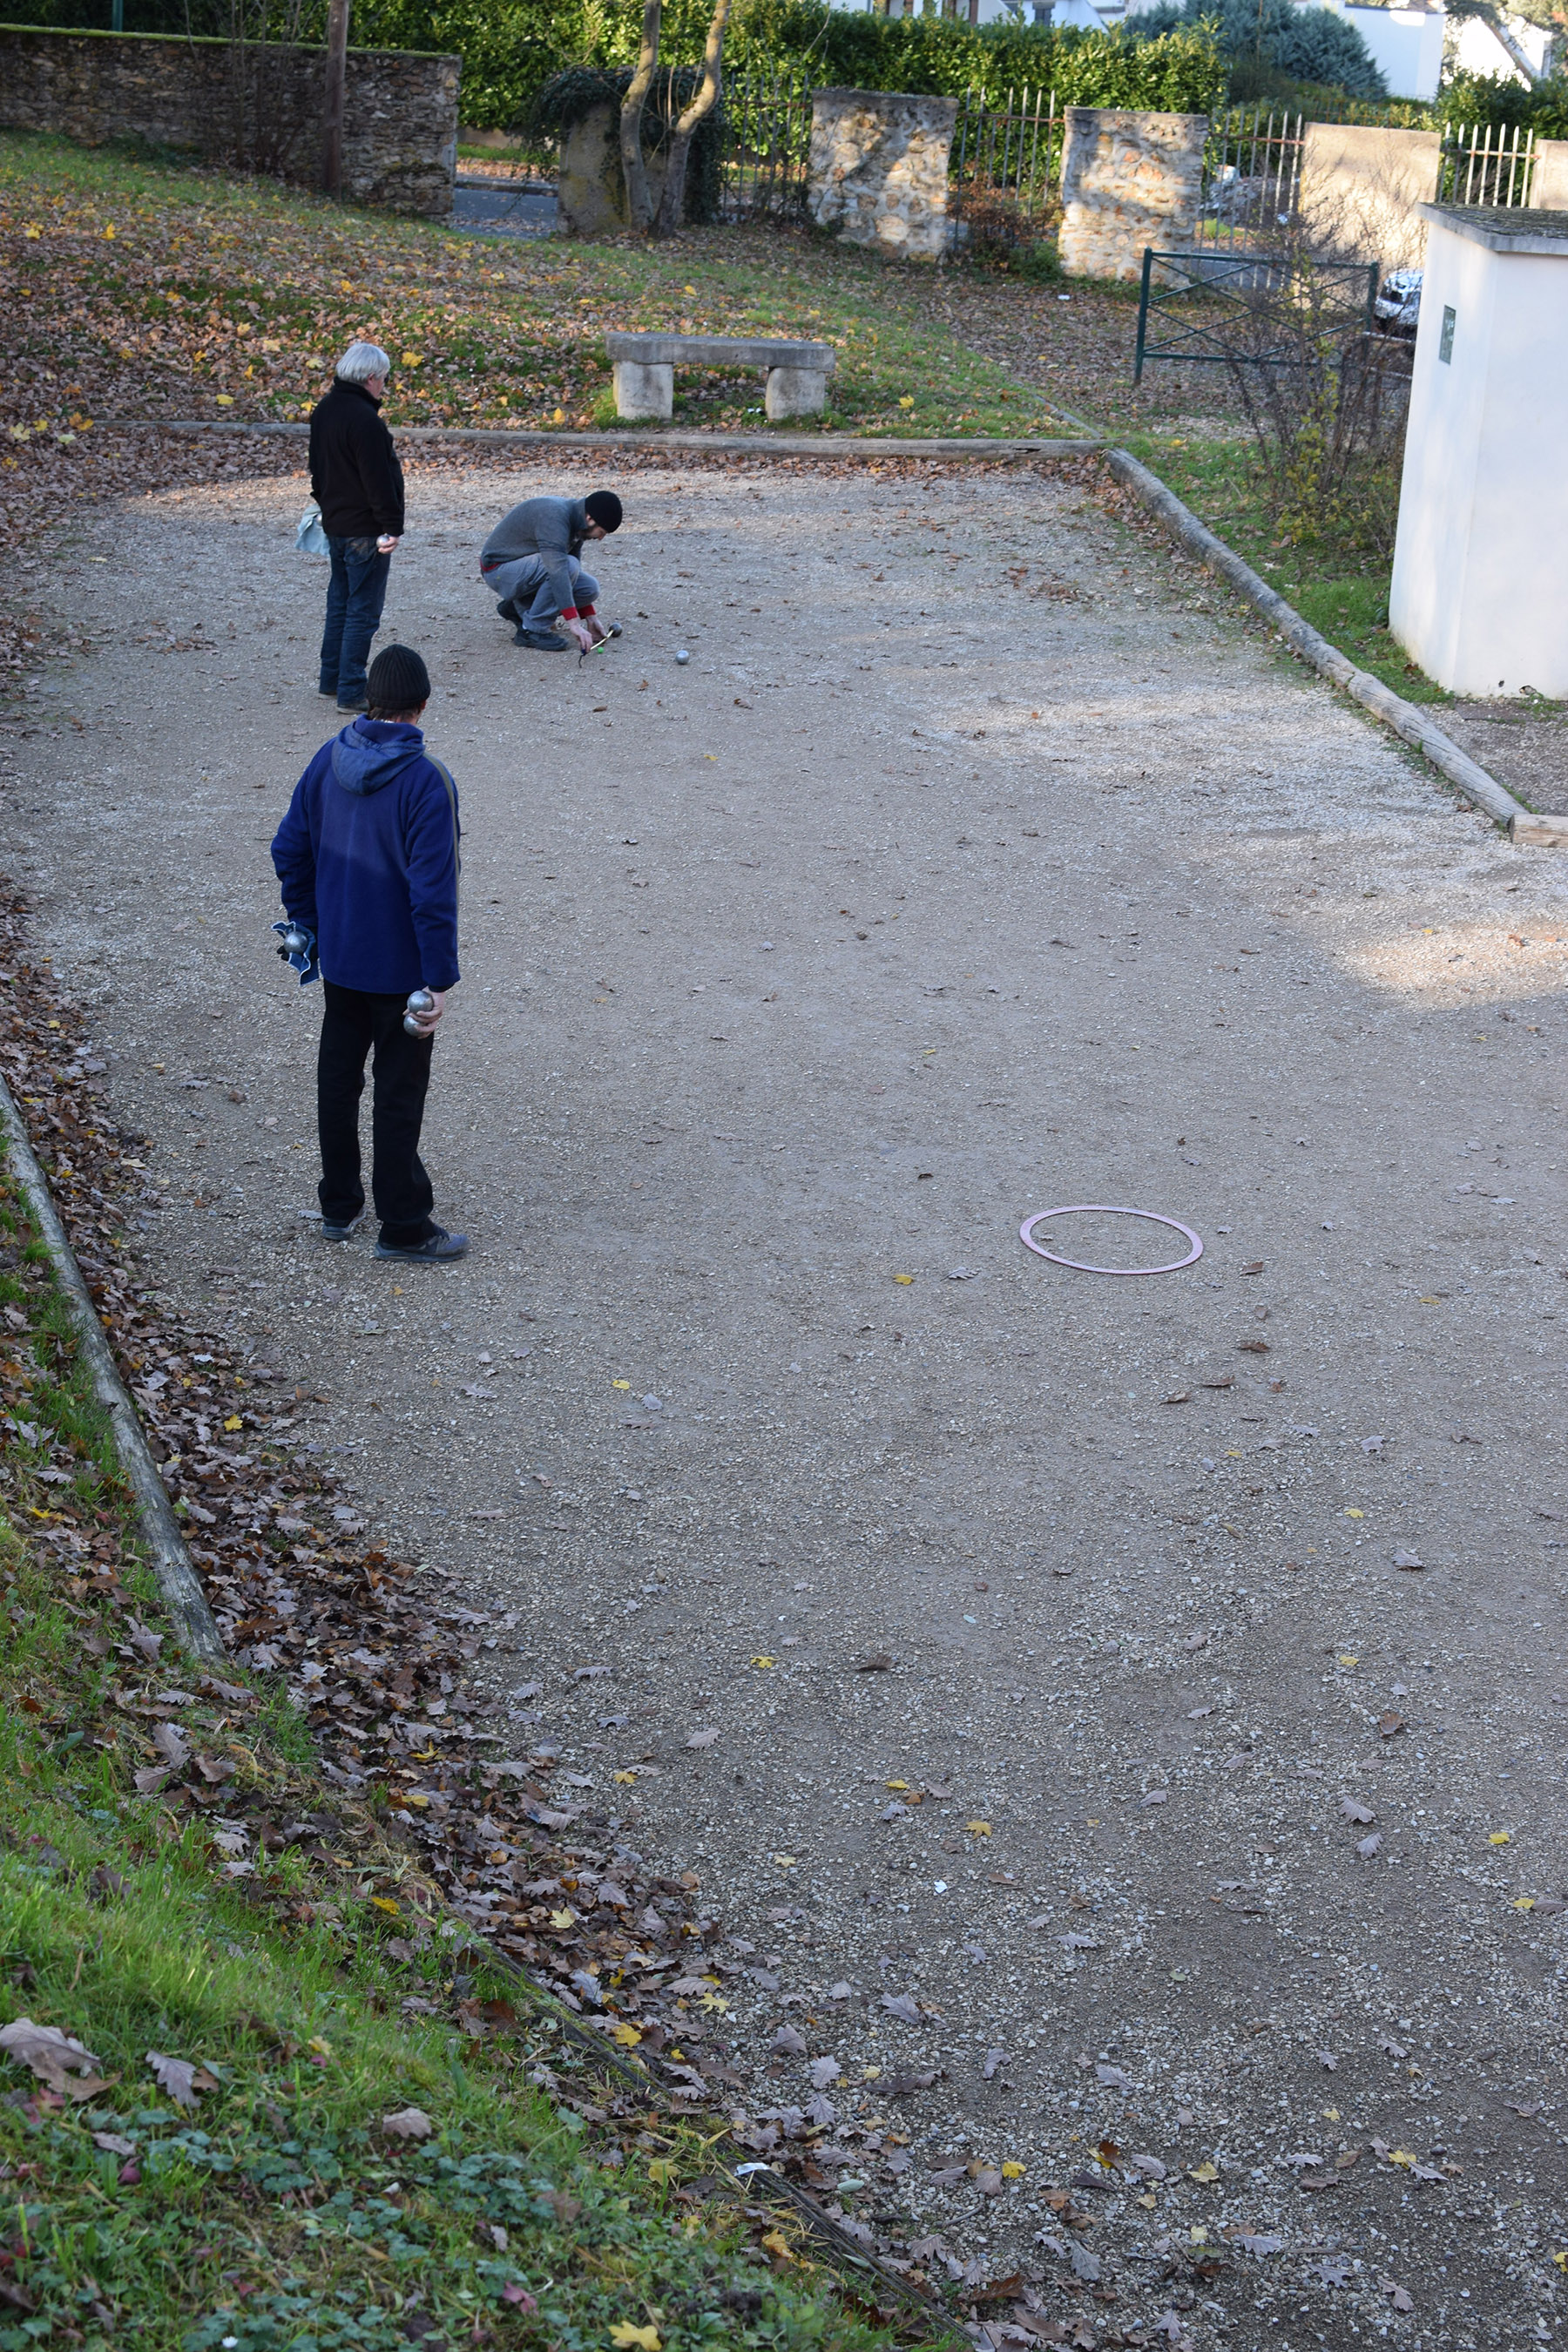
551, 529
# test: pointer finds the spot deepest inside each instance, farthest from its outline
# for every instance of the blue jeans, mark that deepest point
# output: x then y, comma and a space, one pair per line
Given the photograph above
525, 584
355, 594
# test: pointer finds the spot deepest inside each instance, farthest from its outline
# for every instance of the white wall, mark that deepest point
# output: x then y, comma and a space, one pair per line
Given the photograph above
1477, 50
1406, 45
1480, 565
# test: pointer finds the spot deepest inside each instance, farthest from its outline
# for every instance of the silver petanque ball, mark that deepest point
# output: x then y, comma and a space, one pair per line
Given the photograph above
683, 657
297, 942
420, 1000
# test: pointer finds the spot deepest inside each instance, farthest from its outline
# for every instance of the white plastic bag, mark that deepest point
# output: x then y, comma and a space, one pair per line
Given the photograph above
310, 539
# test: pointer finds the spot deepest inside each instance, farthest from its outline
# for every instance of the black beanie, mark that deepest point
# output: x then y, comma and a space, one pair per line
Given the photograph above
398, 680
603, 506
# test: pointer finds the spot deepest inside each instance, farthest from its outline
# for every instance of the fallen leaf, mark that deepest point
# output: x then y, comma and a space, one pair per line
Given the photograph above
1408, 1559
408, 2123
1388, 1722
700, 1738
1353, 1810
902, 2005
180, 2077
114, 2144
53, 2056
1369, 1845
825, 2071
1500, 1837
1012, 2169
978, 1829
171, 1745
988, 2180
1149, 2166
629, 2338
787, 2043
875, 1661
1182, 1396
773, 2241
755, 1661
1204, 2171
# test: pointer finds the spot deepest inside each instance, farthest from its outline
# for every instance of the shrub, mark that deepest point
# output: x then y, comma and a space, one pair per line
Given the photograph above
1308, 45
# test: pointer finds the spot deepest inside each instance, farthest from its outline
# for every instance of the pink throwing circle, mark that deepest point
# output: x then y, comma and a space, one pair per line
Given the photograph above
1104, 1209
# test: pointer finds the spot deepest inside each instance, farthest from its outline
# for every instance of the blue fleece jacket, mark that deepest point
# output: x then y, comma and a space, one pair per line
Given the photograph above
367, 859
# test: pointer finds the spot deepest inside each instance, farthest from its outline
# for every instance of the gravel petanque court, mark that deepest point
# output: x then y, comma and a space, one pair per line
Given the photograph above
1081, 1752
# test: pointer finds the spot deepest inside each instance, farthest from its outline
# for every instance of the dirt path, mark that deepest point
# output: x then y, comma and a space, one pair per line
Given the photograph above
974, 866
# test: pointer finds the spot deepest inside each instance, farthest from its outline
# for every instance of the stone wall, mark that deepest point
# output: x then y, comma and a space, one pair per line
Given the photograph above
1128, 181
1359, 188
1549, 184
400, 121
878, 168
590, 183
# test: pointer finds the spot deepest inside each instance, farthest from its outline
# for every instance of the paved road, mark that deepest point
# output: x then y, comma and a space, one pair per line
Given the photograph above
489, 208
974, 866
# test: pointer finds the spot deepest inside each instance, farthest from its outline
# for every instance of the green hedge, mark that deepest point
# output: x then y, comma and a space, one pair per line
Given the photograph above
511, 48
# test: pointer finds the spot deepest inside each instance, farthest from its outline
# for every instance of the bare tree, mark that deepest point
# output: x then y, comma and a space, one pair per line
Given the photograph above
634, 169
672, 204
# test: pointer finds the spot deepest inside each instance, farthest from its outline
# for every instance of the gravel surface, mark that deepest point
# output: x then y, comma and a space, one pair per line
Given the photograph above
1127, 1850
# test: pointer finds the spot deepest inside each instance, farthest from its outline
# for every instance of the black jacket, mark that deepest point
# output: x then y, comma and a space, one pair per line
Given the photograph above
355, 478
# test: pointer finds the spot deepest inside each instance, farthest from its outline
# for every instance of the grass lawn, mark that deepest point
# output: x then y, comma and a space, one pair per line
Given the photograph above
140, 290
206, 2160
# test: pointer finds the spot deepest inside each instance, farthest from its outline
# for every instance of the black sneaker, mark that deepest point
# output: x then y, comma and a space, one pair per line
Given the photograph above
542, 641
329, 690
352, 708
437, 1249
338, 1229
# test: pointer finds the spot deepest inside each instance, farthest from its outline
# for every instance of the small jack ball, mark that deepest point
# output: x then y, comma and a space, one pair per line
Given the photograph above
683, 657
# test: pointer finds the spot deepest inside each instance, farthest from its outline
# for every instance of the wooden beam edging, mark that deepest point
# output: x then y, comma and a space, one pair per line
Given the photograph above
763, 445
178, 1583
1404, 717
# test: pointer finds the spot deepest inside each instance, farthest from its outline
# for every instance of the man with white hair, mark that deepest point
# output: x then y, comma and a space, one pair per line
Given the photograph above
357, 482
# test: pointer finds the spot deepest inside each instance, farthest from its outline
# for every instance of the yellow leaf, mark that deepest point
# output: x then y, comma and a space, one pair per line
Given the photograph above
761, 1662
784, 1860
32, 232
689, 290
1197, 2235
710, 2000
625, 1779
322, 2049
903, 1278
895, 1784
560, 418
109, 230
1405, 2155
661, 2169
412, 359
1355, 1514
871, 2073
978, 1829
1012, 2171
1330, 2114
1204, 2171
409, 1799
1345, 1660
906, 400
383, 1903
629, 2338
1524, 1902
620, 1384
226, 399
1562, 2260
1500, 1837
561, 1918
234, 1421
775, 2242
626, 2035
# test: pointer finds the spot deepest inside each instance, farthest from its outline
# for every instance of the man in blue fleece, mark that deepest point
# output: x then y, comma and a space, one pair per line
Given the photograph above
367, 860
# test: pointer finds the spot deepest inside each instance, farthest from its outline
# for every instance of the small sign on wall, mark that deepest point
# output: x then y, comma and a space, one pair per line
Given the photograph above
1446, 339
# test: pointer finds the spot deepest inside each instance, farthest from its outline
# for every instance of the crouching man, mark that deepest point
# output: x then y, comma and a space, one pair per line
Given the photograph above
530, 563
367, 861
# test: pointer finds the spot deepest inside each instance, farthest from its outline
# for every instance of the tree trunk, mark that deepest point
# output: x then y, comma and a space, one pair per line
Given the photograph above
672, 204
634, 171
333, 107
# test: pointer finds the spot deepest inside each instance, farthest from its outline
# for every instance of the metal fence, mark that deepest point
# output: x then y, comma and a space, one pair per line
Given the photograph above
1252, 172
1487, 164
1006, 158
765, 139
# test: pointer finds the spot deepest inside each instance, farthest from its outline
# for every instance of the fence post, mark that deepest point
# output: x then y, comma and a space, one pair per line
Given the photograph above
1142, 313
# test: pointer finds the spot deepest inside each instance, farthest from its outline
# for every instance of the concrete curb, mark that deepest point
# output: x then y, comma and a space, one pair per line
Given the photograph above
1404, 717
761, 445
177, 1580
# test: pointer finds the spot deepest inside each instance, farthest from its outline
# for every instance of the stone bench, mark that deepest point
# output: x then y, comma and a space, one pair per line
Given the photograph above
645, 369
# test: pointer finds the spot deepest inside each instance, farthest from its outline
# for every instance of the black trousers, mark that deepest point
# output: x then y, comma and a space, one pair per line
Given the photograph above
354, 1024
